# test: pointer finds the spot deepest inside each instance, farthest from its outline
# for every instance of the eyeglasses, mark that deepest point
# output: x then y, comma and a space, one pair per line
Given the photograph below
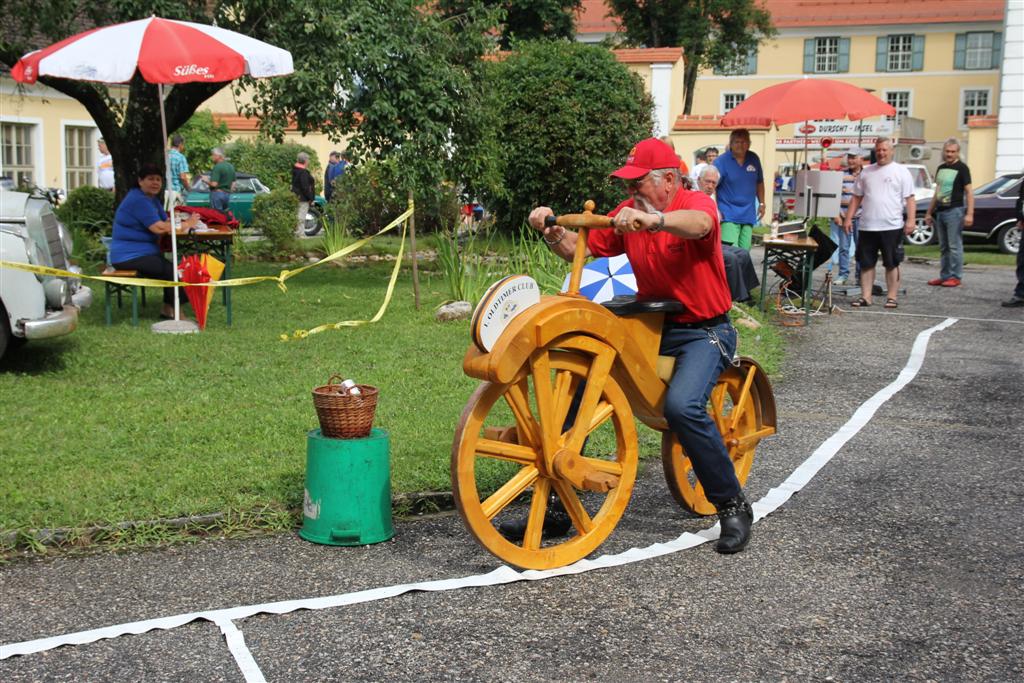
634, 184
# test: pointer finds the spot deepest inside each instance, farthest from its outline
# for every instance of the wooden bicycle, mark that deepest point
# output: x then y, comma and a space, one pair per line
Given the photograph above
510, 443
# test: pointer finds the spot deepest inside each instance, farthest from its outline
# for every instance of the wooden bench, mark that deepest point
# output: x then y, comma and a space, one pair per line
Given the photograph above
111, 289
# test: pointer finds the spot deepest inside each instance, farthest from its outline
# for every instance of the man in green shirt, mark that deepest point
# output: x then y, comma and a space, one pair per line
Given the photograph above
221, 177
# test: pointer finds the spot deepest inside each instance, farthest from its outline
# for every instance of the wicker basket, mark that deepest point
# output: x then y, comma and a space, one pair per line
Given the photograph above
343, 416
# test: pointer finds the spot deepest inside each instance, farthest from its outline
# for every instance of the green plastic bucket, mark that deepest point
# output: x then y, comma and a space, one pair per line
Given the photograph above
347, 499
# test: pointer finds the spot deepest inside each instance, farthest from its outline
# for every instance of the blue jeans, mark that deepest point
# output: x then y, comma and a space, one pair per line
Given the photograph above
841, 255
949, 226
219, 200
699, 362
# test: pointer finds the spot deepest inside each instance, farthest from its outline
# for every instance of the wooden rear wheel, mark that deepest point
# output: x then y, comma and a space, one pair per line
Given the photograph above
510, 447
739, 408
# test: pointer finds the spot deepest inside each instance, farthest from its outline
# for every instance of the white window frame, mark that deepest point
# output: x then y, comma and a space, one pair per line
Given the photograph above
910, 104
38, 165
721, 100
826, 53
982, 54
77, 123
902, 51
960, 122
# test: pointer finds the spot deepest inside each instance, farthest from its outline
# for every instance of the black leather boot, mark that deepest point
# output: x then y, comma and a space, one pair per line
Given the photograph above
735, 517
556, 523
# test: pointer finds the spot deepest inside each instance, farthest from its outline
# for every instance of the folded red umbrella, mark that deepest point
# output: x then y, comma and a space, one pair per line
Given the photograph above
191, 269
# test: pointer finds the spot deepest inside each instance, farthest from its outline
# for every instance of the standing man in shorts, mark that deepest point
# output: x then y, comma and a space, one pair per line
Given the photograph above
740, 191
885, 192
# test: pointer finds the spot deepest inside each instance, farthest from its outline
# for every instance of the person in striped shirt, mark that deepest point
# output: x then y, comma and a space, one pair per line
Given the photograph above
845, 242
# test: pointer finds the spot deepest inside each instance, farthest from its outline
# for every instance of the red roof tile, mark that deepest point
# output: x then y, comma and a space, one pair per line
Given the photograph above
986, 121
654, 55
808, 13
705, 122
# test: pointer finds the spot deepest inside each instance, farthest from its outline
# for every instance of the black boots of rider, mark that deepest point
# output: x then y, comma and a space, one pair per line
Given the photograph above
556, 523
735, 516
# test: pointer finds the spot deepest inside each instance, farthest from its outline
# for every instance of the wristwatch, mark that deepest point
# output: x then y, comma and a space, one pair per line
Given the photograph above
661, 222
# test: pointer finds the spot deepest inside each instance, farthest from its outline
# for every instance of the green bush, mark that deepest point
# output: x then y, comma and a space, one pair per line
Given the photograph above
272, 162
568, 114
88, 209
274, 216
366, 198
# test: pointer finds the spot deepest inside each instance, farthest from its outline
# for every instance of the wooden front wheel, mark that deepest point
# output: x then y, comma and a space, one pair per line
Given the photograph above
744, 415
510, 446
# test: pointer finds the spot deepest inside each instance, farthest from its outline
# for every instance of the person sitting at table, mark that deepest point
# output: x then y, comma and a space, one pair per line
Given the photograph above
139, 222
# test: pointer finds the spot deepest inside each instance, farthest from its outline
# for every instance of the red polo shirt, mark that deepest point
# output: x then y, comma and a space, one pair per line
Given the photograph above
670, 267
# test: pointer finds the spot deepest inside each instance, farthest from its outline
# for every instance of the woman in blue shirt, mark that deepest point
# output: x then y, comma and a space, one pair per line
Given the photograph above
139, 222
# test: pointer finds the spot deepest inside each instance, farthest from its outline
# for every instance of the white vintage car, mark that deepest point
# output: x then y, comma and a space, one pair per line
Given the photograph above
35, 306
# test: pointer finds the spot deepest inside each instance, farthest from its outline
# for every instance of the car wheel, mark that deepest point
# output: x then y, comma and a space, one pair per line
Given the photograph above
314, 220
923, 234
1009, 239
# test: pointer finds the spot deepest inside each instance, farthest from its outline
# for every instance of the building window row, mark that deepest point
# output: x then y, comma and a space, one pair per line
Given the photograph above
975, 50
18, 155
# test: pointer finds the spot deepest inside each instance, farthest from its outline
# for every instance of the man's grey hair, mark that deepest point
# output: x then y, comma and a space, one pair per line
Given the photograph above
302, 158
177, 141
217, 152
883, 139
658, 174
710, 170
952, 141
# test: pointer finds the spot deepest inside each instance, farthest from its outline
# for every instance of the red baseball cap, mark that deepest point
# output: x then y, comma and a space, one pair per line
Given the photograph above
646, 156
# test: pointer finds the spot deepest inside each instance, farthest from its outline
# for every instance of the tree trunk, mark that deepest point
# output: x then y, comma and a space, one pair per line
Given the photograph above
690, 71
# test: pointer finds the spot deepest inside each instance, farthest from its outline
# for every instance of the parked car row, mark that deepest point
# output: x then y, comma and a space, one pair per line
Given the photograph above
244, 191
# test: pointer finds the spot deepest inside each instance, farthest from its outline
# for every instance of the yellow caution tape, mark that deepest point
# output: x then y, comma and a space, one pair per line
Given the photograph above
280, 278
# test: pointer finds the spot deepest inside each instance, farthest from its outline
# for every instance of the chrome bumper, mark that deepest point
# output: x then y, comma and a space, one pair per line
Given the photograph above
54, 324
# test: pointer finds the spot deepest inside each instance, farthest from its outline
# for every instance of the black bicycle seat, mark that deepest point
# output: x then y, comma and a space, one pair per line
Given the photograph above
631, 305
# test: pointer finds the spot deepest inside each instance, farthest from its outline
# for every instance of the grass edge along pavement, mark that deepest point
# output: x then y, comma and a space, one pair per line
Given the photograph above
239, 415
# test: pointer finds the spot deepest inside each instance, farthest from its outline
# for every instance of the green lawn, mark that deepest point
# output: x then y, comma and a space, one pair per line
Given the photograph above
974, 254
116, 423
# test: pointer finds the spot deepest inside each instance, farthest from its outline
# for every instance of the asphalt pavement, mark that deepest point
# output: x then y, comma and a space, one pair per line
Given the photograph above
901, 560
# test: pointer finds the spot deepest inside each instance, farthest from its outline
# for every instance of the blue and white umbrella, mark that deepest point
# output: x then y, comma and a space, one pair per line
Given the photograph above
606, 277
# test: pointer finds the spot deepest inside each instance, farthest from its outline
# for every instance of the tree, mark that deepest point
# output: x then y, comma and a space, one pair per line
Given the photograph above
525, 19
713, 33
567, 115
398, 78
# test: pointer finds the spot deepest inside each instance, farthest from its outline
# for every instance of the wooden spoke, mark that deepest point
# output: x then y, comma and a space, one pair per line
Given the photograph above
509, 491
596, 378
488, 488
517, 397
535, 519
741, 427
577, 513
489, 448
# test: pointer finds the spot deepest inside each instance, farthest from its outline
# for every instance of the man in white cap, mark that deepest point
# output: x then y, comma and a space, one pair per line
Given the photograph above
672, 238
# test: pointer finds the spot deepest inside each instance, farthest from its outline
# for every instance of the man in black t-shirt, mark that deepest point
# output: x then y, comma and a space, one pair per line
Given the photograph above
951, 210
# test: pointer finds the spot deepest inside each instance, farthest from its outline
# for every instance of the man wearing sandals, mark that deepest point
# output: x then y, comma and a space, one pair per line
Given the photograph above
885, 193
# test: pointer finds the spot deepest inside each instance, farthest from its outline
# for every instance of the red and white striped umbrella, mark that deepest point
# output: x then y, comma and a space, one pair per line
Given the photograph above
162, 50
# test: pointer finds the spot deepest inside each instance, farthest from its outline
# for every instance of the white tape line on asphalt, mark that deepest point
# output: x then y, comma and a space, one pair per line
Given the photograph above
504, 574
236, 643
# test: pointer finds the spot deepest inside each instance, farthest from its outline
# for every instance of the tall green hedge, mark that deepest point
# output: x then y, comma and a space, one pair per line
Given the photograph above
568, 114
272, 162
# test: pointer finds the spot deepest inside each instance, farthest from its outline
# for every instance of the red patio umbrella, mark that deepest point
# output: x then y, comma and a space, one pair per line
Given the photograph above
163, 51
806, 99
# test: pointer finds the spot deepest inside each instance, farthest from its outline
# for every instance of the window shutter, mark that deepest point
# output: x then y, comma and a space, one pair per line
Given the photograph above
960, 52
809, 56
882, 53
844, 55
752, 62
997, 50
917, 60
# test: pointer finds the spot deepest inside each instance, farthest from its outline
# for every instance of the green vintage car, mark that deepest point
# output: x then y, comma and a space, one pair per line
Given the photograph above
243, 194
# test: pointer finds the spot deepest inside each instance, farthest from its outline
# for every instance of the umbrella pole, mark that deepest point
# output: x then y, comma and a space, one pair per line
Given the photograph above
168, 191
807, 137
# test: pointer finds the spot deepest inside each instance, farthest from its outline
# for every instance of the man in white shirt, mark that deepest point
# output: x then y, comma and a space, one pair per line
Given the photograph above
885, 193
104, 167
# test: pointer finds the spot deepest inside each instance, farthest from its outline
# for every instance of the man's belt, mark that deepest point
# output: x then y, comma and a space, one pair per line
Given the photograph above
699, 324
